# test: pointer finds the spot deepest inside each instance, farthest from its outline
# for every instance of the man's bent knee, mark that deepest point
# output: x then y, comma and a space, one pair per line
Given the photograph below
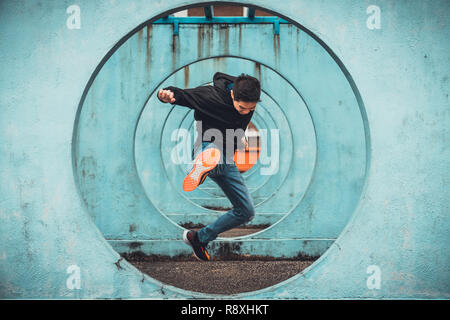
247, 213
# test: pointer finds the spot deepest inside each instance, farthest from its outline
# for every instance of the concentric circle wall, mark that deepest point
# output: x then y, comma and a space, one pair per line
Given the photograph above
312, 169
263, 181
81, 128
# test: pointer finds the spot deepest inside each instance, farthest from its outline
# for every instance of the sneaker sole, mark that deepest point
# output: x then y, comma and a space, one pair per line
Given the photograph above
204, 163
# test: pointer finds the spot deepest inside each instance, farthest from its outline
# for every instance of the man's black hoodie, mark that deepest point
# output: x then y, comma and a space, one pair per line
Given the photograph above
214, 107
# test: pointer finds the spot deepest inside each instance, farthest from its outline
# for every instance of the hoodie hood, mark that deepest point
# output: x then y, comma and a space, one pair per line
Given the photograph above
222, 80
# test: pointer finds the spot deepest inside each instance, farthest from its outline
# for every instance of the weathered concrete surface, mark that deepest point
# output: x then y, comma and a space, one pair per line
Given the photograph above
400, 224
323, 142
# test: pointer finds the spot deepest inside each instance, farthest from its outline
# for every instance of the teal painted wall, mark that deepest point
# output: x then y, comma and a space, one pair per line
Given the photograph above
399, 221
316, 183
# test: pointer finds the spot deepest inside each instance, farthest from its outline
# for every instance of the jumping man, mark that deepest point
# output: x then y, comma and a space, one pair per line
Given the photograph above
222, 112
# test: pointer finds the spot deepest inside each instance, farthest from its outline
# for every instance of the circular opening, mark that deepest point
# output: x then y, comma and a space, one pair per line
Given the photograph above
265, 181
112, 183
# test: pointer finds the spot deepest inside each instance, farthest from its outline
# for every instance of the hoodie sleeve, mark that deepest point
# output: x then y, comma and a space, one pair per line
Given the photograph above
204, 99
208, 100
191, 98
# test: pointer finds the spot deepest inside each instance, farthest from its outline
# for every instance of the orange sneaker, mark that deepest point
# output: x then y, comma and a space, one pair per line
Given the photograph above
203, 164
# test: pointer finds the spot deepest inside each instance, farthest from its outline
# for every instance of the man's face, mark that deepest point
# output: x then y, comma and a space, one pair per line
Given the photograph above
243, 107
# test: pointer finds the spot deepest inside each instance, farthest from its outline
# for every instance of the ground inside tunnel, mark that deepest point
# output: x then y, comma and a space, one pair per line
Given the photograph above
229, 274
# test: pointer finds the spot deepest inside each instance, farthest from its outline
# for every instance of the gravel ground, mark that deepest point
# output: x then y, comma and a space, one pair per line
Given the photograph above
240, 274
221, 277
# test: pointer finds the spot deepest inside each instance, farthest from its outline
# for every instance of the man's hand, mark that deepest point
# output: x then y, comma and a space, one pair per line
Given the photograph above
244, 145
166, 96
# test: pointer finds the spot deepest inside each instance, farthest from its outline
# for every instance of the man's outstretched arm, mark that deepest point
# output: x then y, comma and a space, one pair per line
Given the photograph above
203, 99
194, 98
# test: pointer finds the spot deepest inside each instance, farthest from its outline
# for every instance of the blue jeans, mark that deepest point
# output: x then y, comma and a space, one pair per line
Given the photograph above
229, 179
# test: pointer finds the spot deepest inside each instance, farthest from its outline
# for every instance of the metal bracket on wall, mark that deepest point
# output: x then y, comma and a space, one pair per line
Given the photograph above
251, 13
208, 12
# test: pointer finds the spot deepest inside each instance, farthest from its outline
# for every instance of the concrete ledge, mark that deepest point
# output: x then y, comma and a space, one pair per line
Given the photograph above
223, 248
207, 218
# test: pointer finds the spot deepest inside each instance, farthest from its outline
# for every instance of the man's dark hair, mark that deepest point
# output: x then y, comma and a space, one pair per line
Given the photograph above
246, 88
